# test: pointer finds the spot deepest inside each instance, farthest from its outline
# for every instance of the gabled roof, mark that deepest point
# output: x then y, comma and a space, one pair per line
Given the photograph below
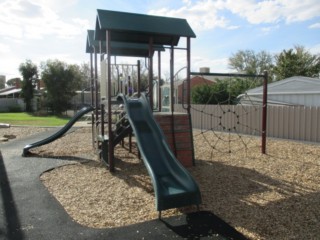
292, 85
91, 42
210, 78
205, 79
120, 48
137, 28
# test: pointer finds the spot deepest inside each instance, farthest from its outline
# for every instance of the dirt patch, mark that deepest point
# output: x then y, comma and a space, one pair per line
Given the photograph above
12, 133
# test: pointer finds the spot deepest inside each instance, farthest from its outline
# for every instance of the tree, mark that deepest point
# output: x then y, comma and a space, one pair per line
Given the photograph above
124, 71
296, 62
85, 81
62, 81
202, 94
249, 62
2, 81
29, 72
222, 92
14, 82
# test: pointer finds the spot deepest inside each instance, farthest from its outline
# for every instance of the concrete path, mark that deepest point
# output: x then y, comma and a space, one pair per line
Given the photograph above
28, 211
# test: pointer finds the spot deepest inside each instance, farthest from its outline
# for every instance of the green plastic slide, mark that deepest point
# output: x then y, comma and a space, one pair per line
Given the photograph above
173, 185
59, 133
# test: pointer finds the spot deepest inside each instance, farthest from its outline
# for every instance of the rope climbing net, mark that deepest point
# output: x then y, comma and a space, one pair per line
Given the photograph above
229, 117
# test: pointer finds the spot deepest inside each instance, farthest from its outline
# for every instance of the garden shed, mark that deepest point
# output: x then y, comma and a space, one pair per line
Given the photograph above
293, 91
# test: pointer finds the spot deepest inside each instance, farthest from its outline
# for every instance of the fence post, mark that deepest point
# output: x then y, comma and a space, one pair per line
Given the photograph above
264, 113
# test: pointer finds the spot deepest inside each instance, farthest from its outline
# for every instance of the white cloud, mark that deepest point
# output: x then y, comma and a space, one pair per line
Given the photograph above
203, 15
315, 49
255, 13
273, 11
34, 19
10, 65
4, 48
267, 30
216, 65
56, 5
316, 25
209, 14
187, 2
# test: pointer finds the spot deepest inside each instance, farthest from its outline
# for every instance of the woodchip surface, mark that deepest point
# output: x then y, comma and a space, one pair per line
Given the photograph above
272, 196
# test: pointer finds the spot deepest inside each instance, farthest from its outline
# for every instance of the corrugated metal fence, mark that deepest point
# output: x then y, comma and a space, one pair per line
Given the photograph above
296, 123
9, 104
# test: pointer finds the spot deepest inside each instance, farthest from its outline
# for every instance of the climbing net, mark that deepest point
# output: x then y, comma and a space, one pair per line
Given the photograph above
229, 118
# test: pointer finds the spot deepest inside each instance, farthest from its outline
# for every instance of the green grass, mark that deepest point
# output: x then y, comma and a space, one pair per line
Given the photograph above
32, 120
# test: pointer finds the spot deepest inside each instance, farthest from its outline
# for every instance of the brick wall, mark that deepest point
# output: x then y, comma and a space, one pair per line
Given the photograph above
181, 141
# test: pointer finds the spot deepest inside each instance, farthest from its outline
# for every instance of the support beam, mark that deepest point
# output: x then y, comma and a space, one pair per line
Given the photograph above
172, 78
172, 98
189, 96
96, 96
92, 97
91, 78
151, 72
159, 80
139, 78
110, 143
188, 75
264, 113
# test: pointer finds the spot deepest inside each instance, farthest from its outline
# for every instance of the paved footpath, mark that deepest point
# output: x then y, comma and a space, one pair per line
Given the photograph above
28, 211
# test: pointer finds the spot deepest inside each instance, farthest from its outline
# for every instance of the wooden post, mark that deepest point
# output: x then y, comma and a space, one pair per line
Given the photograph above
188, 75
189, 95
172, 99
102, 119
172, 77
92, 97
96, 89
151, 72
159, 77
139, 78
264, 113
91, 79
110, 143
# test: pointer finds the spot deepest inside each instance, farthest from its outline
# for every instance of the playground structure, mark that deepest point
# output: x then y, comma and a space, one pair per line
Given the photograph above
121, 107
136, 35
141, 36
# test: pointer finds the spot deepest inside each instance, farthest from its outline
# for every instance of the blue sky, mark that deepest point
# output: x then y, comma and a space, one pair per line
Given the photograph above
56, 29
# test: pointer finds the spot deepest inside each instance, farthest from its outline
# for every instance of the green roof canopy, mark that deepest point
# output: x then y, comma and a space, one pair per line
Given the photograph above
138, 28
91, 43
120, 48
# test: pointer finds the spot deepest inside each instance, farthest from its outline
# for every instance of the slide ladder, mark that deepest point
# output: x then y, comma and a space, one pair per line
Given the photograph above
123, 129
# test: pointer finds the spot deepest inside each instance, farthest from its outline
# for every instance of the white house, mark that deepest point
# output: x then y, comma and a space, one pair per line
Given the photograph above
293, 91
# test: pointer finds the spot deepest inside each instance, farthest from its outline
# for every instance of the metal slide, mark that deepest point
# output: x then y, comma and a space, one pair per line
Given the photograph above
173, 185
59, 133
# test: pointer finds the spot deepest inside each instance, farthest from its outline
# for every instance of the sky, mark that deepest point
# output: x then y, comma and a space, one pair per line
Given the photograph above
40, 30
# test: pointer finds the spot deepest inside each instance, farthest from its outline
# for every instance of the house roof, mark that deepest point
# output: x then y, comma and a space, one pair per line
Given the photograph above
120, 48
205, 78
257, 100
292, 85
10, 91
138, 28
